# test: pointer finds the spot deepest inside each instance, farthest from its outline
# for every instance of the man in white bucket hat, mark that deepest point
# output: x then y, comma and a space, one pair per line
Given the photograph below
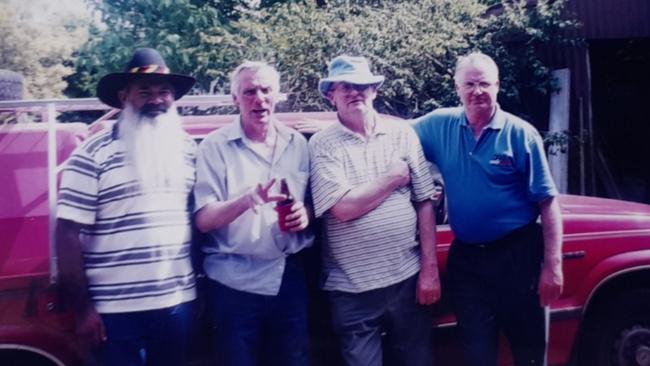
372, 187
352, 70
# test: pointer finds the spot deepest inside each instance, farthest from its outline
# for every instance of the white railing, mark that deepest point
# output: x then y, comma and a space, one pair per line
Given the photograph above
93, 104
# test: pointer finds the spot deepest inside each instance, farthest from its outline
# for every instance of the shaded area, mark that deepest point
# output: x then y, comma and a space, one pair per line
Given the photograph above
620, 80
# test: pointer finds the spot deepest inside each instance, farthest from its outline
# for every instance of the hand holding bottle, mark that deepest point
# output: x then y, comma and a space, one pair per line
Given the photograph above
292, 215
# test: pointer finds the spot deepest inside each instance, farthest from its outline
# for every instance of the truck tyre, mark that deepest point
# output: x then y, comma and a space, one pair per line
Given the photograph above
620, 336
11, 85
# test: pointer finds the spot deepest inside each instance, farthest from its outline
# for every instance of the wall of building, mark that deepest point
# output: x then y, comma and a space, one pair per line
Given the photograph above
616, 32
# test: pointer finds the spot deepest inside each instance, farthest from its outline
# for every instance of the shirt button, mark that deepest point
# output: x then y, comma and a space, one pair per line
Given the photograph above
471, 153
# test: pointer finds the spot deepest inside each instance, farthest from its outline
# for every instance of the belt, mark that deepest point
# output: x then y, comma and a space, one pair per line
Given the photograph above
507, 239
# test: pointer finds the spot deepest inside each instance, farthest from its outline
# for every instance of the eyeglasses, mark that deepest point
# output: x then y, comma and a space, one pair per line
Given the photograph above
347, 87
482, 85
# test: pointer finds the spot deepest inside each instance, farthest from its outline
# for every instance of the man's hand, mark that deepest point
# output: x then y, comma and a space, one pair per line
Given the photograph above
91, 327
399, 171
551, 281
260, 195
311, 125
298, 219
428, 288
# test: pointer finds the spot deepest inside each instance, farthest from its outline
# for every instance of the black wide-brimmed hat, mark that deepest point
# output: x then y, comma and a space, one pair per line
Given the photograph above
146, 62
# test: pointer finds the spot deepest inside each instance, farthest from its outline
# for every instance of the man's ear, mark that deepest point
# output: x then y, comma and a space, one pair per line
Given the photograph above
122, 94
374, 89
235, 101
330, 98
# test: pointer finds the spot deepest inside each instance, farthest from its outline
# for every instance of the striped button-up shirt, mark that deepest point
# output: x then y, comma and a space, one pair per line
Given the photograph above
379, 248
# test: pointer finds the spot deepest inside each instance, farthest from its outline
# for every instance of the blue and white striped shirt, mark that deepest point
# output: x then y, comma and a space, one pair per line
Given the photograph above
136, 242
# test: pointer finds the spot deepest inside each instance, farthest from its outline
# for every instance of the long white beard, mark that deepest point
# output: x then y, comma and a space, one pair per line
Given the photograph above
154, 147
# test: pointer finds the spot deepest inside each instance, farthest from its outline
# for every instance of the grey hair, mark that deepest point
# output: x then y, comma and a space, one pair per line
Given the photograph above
475, 58
254, 66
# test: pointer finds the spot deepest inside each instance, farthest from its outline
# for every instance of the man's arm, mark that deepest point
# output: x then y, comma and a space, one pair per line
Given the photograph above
428, 288
73, 280
551, 279
217, 214
366, 197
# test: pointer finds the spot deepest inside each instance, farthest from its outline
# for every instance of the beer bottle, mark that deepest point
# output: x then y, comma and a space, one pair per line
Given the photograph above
284, 207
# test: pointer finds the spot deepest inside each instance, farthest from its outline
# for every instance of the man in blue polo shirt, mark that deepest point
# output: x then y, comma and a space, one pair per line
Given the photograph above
504, 268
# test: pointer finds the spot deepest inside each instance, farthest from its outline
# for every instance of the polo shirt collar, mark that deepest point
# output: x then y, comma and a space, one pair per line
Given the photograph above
496, 123
381, 128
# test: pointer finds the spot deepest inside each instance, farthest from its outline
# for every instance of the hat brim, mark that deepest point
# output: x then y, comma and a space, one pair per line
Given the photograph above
325, 84
109, 86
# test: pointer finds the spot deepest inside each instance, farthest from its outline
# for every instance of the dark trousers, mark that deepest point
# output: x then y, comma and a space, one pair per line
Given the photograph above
494, 288
154, 337
254, 329
360, 320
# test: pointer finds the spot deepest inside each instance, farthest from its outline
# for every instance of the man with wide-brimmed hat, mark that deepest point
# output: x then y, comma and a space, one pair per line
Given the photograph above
372, 186
123, 230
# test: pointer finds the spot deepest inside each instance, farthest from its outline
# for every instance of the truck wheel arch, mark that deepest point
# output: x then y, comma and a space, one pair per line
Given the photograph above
612, 319
50, 344
608, 273
14, 352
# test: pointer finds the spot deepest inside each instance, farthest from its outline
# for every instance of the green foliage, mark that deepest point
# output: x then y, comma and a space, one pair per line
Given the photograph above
558, 142
491, 2
300, 39
413, 43
37, 40
174, 28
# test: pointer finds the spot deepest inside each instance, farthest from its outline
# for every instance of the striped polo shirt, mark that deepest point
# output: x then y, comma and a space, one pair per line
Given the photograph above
135, 242
379, 248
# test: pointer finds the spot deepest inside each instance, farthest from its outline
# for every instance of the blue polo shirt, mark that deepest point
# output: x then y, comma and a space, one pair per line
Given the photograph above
494, 184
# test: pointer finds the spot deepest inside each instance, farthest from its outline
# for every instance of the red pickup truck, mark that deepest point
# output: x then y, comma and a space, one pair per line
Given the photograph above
602, 318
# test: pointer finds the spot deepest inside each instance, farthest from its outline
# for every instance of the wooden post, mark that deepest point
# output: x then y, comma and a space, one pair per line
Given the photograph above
49, 117
559, 124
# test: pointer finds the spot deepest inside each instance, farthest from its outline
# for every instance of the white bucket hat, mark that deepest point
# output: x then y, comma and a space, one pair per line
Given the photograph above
349, 69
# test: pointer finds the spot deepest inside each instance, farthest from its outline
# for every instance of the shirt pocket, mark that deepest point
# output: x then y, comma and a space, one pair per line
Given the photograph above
501, 167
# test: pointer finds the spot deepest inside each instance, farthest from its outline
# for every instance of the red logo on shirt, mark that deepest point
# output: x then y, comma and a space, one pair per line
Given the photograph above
501, 160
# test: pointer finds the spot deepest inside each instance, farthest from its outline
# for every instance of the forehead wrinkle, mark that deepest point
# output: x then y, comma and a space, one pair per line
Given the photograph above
475, 74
